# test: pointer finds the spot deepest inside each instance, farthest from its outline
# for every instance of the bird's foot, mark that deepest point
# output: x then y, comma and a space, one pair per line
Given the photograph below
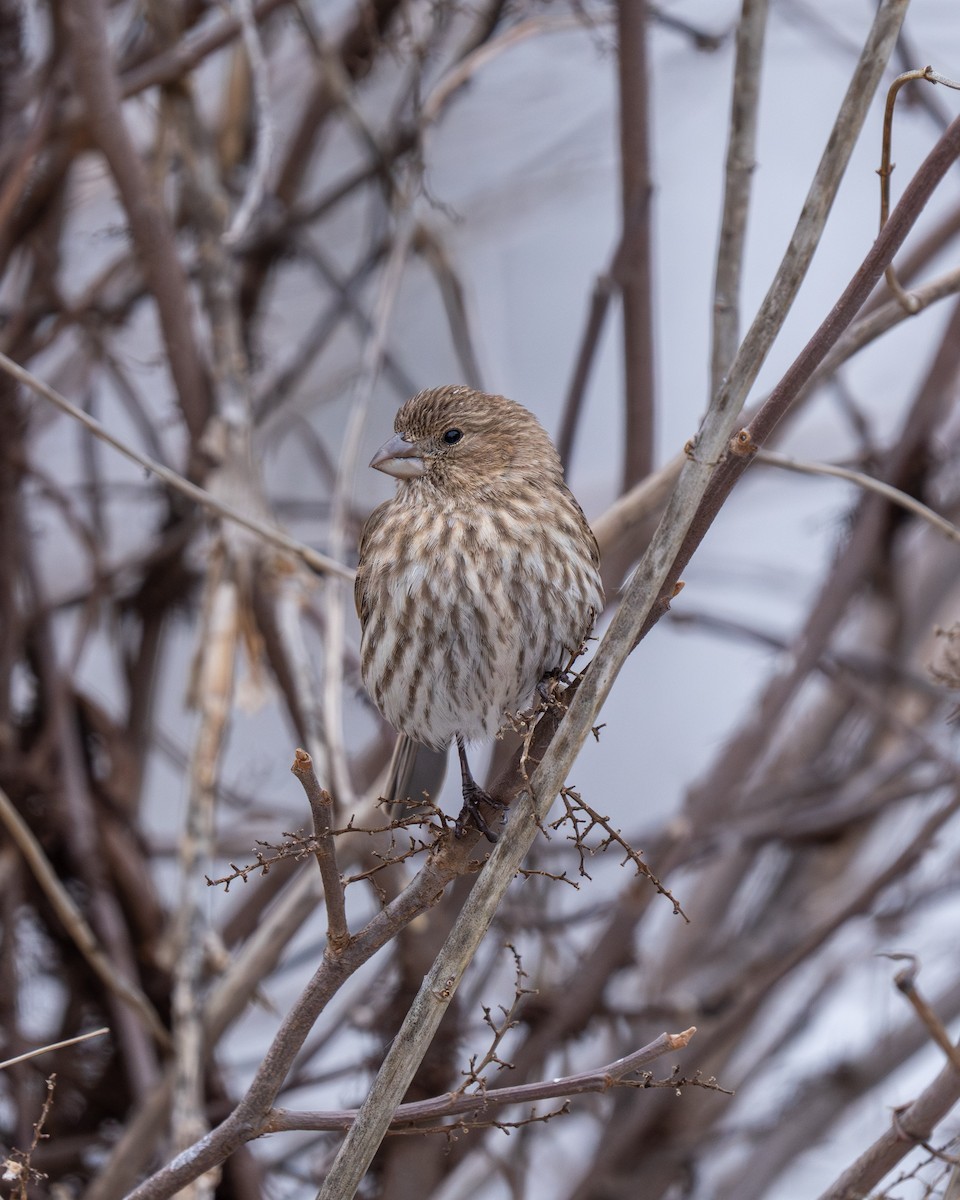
473, 797
551, 687
547, 687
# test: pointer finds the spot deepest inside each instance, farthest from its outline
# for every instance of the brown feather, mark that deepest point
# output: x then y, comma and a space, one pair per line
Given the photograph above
479, 577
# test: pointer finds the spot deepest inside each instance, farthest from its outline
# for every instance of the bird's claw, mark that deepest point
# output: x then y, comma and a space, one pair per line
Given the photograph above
472, 799
549, 686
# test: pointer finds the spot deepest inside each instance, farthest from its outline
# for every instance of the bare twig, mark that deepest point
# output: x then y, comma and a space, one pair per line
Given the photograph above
257, 184
819, 200
575, 805
736, 197
906, 981
499, 1027
362, 393
213, 694
468, 66
634, 264
17, 1166
321, 805
97, 82
75, 923
276, 537
867, 482
911, 1125
599, 1080
885, 170
83, 1037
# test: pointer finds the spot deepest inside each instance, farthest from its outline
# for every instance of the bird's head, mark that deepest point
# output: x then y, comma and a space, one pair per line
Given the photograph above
455, 436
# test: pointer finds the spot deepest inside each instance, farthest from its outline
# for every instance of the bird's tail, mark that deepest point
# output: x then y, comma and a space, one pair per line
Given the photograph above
414, 770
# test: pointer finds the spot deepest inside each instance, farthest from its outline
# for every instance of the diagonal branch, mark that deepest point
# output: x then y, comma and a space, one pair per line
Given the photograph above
97, 83
313, 558
75, 923
868, 483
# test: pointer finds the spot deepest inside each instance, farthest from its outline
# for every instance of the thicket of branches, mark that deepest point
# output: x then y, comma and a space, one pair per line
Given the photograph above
175, 178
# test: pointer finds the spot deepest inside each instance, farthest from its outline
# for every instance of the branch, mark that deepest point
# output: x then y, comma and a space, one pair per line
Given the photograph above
461, 74
229, 997
83, 1037
885, 169
741, 150
313, 558
743, 448
868, 483
452, 858
74, 922
906, 981
600, 1079
189, 52
257, 185
911, 1125
806, 236
89, 42
321, 805
634, 273
621, 529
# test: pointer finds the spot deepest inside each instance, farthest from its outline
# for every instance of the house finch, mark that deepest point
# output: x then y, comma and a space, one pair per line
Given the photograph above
478, 579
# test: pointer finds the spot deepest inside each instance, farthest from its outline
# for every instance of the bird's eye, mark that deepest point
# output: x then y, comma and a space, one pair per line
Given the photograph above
452, 436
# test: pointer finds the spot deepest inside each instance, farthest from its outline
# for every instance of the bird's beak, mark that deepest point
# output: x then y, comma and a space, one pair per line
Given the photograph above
399, 458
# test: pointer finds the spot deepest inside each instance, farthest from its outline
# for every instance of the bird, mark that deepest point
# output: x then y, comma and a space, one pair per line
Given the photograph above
478, 581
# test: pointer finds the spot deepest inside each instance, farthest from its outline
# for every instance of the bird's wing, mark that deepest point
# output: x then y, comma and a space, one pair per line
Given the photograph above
372, 524
591, 537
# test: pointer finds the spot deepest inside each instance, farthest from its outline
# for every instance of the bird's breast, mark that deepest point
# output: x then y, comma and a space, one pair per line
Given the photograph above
468, 608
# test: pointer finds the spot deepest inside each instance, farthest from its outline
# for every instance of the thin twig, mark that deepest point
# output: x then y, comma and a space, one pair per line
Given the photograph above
17, 1166
83, 1037
867, 482
74, 921
468, 66
321, 805
361, 396
604, 289
619, 530
885, 170
634, 272
263, 149
734, 459
806, 236
88, 41
906, 982
912, 1124
313, 558
601, 1079
454, 297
